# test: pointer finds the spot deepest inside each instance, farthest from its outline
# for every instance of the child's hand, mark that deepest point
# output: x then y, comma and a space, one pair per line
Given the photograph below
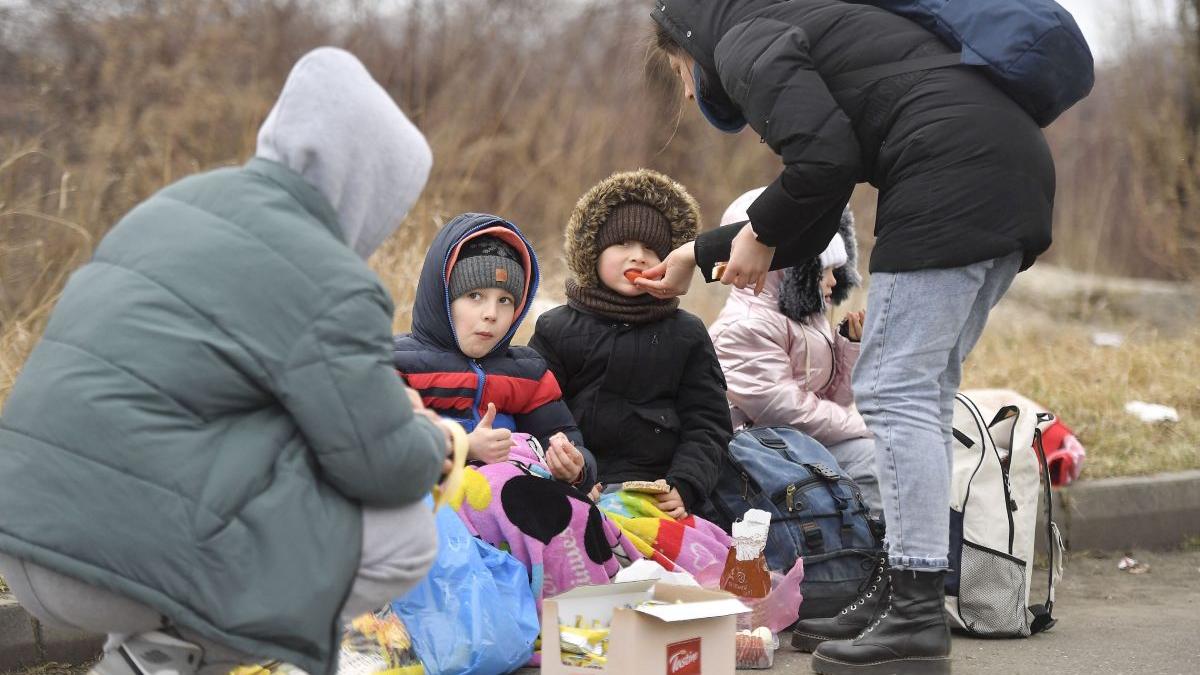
597, 490
489, 445
854, 325
564, 459
671, 503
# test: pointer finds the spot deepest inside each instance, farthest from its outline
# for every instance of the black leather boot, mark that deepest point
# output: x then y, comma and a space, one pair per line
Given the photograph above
908, 636
852, 620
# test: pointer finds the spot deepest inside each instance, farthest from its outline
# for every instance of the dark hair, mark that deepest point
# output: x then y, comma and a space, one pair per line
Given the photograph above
658, 76
664, 42
656, 69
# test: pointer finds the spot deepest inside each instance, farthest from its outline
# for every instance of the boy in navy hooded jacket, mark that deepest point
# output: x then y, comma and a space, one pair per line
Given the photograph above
477, 283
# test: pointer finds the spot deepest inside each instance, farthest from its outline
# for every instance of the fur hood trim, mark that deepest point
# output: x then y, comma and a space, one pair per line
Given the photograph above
800, 293
593, 208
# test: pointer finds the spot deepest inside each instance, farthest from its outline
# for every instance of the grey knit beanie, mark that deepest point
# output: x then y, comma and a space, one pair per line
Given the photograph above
487, 262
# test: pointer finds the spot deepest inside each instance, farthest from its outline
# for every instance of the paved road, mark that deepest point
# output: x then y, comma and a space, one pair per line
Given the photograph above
1109, 623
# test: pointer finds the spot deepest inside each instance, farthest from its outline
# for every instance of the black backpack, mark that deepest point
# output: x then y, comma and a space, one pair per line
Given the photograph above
817, 512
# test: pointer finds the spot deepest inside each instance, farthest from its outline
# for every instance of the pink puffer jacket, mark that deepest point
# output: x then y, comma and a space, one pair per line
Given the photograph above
784, 372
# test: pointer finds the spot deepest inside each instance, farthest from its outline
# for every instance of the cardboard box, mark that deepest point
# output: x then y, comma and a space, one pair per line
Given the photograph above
694, 636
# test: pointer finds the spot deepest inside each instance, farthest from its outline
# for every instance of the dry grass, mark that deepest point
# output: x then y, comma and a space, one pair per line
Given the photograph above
107, 102
116, 100
1128, 157
1087, 386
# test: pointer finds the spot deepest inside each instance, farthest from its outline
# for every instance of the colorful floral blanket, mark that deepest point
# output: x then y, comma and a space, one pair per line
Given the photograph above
691, 544
564, 539
551, 527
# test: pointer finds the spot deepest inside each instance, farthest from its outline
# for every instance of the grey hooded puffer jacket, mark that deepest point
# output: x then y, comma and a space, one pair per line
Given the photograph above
213, 399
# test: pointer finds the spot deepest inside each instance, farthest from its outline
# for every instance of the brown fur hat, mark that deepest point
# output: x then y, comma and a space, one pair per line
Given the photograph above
593, 209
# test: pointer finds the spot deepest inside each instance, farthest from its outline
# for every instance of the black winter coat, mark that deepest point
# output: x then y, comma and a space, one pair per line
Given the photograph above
649, 398
964, 174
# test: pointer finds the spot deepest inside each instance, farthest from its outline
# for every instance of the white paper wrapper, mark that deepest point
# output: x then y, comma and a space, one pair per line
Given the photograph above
750, 534
643, 570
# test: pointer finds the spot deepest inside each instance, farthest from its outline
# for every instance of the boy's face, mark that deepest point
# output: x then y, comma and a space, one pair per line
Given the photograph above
481, 318
618, 259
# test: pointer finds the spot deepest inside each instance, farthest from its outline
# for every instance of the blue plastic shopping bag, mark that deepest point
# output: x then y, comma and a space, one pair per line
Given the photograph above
474, 613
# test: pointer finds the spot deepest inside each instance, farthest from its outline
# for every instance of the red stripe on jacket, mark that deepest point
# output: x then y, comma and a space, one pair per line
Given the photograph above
443, 380
518, 395
512, 395
447, 402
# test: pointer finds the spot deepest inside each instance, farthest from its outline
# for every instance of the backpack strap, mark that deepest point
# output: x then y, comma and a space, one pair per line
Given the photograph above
814, 540
842, 496
767, 437
1043, 615
1005, 413
857, 78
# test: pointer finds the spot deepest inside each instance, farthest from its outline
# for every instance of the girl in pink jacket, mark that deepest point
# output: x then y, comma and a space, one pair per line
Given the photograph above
783, 363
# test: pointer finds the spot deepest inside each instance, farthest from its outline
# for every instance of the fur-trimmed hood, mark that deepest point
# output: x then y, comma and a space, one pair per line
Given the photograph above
800, 291
593, 208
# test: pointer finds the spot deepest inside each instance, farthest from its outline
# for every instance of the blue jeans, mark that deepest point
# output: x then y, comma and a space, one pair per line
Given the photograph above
856, 456
920, 327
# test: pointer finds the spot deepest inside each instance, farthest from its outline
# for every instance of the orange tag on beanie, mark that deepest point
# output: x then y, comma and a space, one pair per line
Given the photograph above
501, 275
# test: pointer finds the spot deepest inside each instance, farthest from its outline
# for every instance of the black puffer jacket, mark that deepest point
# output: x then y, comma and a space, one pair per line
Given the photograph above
964, 174
649, 398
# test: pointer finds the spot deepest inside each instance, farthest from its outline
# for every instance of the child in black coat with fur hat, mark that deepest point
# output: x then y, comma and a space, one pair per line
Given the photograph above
639, 374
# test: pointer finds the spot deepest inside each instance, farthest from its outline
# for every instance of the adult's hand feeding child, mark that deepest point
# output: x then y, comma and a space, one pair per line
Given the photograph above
672, 277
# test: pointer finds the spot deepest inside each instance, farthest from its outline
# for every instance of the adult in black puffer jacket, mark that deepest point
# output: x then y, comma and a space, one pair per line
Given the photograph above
964, 173
966, 189
639, 374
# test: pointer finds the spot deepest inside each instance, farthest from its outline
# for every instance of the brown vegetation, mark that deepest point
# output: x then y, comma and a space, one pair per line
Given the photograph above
526, 104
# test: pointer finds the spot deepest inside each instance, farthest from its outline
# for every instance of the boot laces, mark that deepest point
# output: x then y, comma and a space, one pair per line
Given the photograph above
862, 598
878, 618
869, 593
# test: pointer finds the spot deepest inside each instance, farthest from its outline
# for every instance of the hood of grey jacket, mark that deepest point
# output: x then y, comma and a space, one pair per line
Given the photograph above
337, 128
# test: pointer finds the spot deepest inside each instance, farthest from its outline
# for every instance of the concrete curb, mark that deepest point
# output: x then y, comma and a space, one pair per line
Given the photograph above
1111, 514
25, 643
1119, 514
